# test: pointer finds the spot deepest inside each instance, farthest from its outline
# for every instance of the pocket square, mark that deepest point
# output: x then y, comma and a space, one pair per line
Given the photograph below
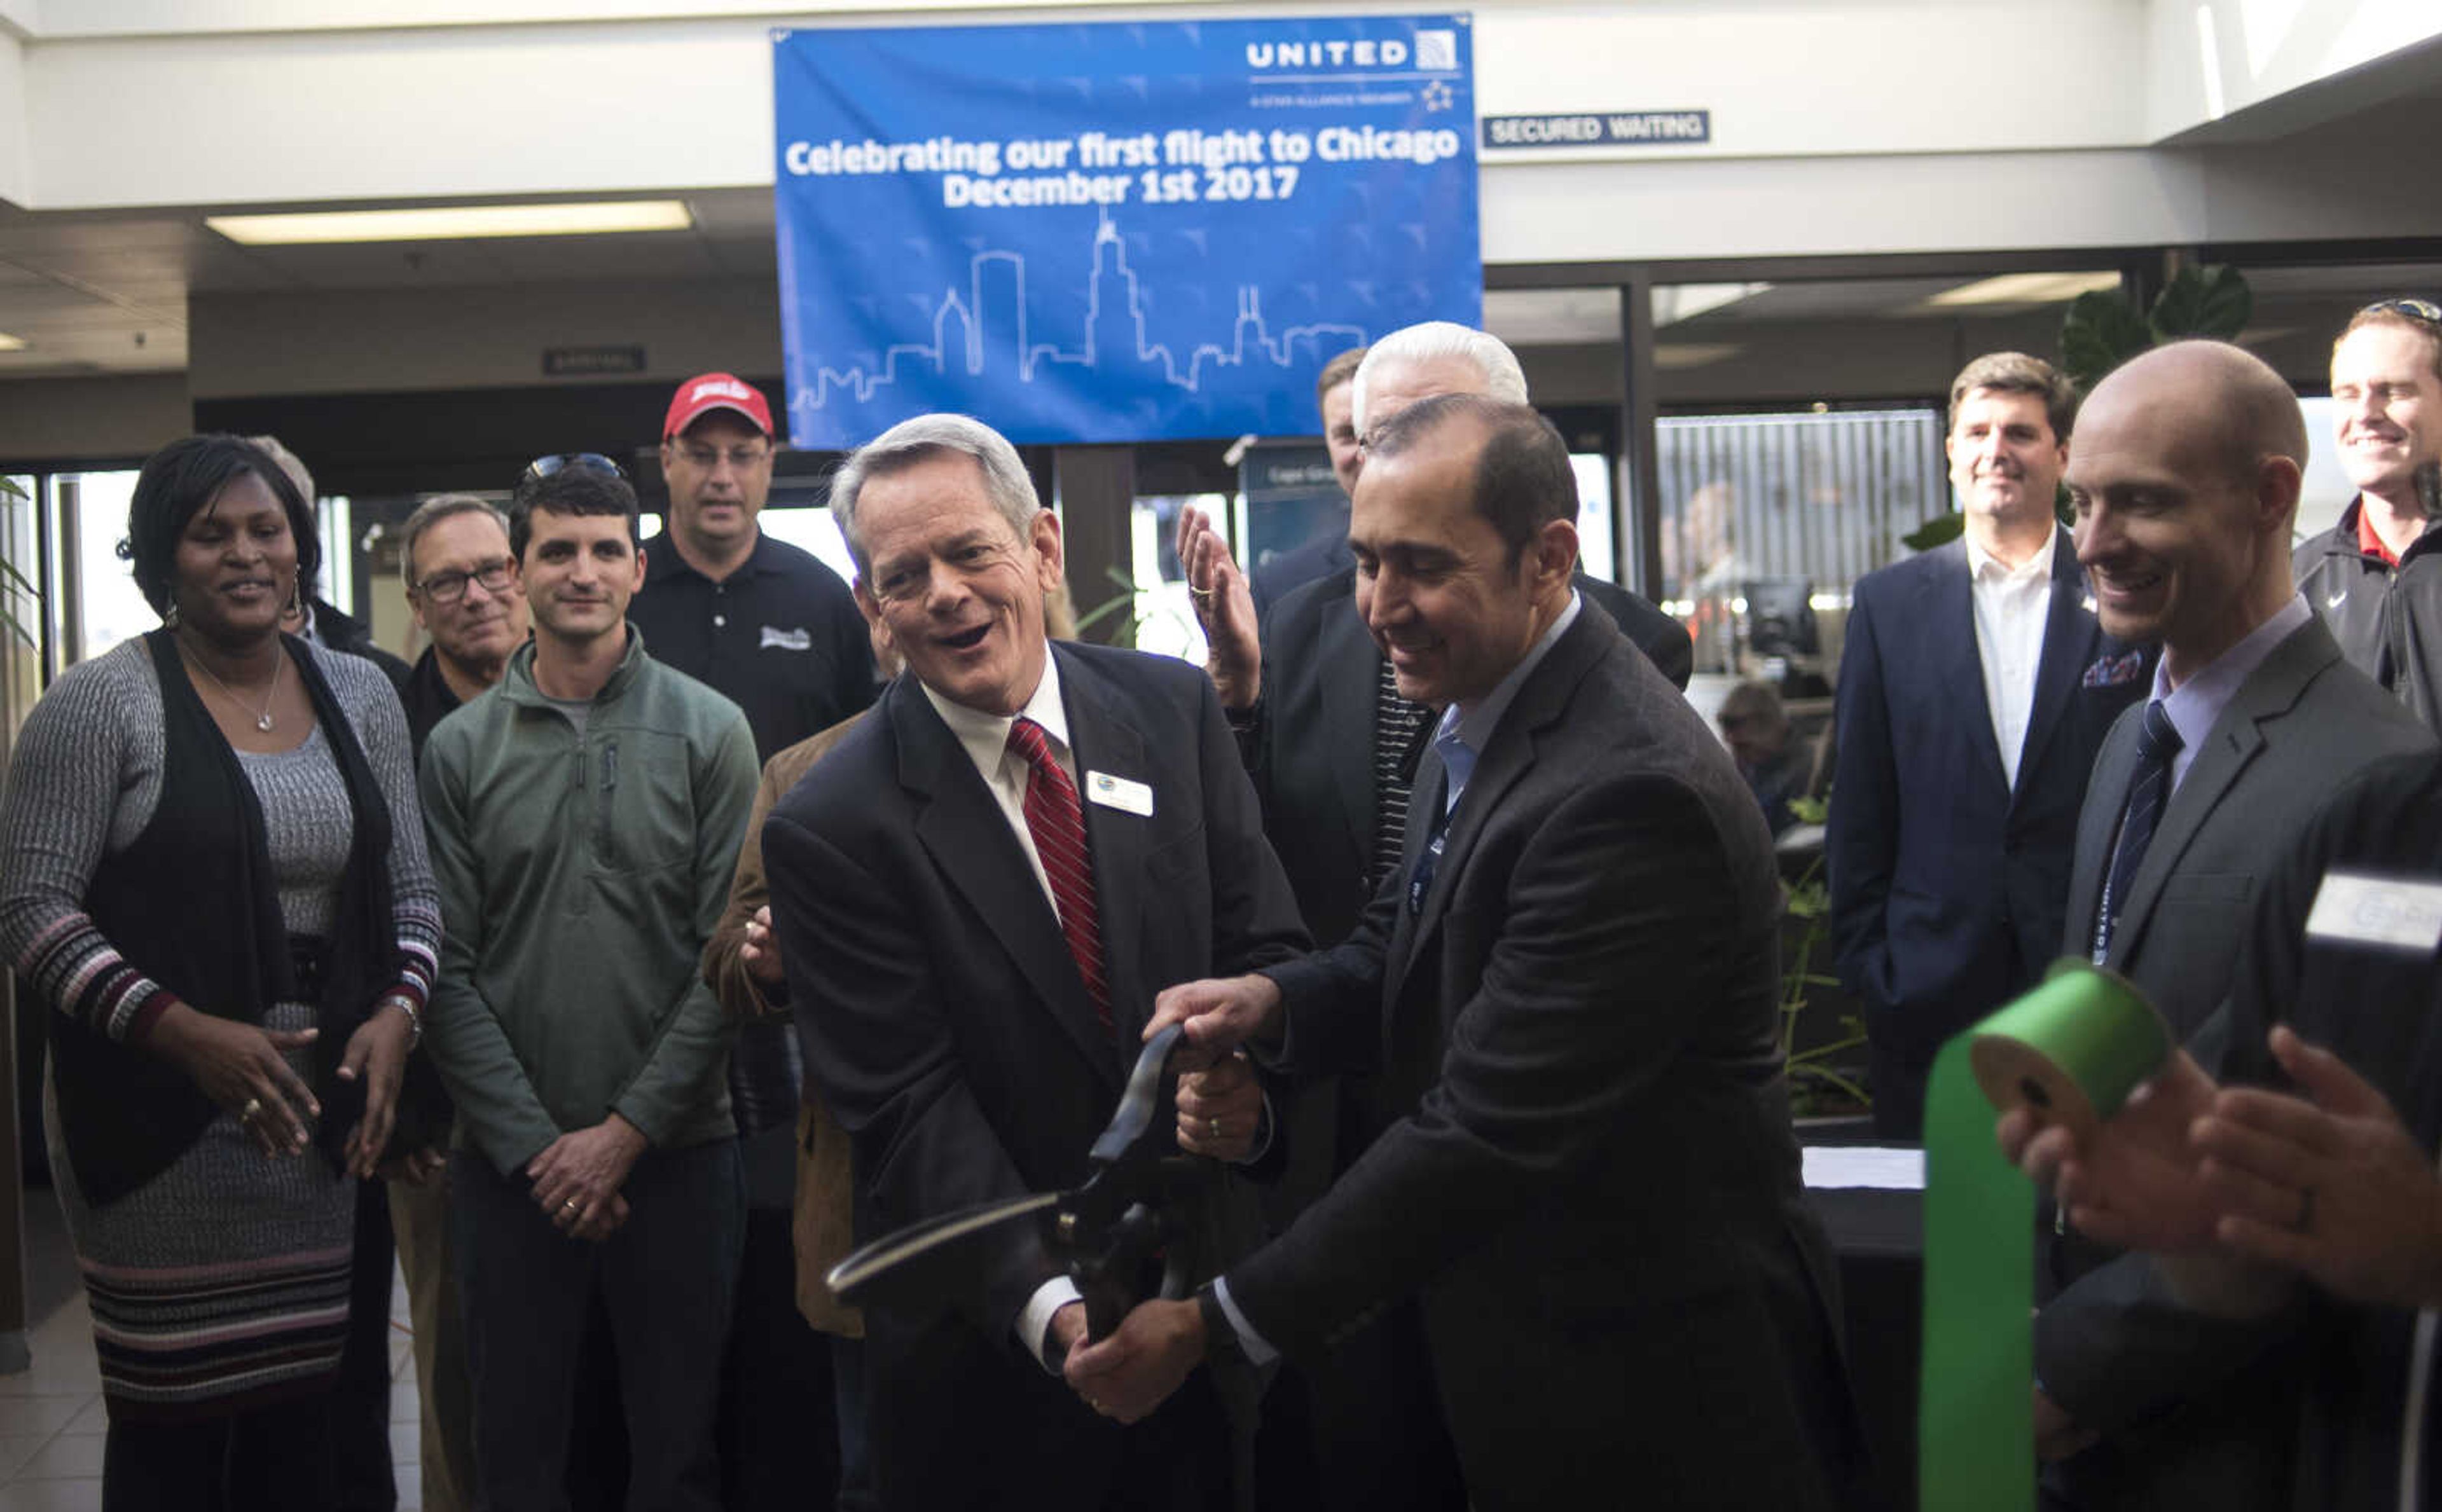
2112, 672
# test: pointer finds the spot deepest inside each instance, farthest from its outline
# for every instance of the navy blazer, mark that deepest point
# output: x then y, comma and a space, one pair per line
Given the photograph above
1948, 885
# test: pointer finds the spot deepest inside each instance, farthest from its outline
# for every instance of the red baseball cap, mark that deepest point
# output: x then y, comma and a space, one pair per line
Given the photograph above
707, 392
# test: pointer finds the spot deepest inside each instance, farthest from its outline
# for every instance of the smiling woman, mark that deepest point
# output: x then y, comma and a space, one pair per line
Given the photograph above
217, 884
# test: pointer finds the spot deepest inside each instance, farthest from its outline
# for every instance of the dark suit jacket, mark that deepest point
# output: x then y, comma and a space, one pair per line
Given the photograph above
1276, 577
1948, 885
1593, 1192
2296, 729
947, 1029
1312, 754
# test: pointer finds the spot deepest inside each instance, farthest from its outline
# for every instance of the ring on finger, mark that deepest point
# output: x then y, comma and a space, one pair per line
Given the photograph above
569, 1206
1200, 592
252, 1110
1213, 1126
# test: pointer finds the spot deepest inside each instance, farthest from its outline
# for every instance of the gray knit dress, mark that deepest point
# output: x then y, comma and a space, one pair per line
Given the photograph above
226, 1275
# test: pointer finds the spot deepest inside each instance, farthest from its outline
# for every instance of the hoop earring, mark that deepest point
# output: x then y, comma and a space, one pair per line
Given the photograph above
169, 615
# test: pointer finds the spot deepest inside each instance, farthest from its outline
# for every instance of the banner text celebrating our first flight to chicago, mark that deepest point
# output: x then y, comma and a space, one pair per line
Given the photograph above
1176, 165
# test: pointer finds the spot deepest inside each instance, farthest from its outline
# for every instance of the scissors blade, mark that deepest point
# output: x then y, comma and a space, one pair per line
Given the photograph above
923, 1263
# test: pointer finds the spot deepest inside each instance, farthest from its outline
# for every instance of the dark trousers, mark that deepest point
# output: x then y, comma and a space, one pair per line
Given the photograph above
360, 1405
776, 1396
849, 1391
667, 1277
268, 1459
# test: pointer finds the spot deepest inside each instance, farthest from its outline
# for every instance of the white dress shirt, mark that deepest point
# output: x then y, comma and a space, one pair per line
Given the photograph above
2010, 606
984, 739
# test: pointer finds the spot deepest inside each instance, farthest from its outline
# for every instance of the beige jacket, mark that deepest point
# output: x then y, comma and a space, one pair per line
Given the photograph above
821, 1226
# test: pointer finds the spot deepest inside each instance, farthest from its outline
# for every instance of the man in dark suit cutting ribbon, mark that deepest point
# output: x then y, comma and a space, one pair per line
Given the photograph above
1592, 1191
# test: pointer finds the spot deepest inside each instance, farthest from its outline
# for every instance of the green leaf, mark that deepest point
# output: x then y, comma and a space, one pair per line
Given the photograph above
1940, 531
2202, 302
2099, 332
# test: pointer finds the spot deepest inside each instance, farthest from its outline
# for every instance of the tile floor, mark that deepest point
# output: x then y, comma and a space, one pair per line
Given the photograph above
51, 1419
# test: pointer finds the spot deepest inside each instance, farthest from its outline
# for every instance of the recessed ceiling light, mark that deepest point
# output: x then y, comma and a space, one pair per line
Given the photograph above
1671, 356
12, 344
456, 222
2027, 288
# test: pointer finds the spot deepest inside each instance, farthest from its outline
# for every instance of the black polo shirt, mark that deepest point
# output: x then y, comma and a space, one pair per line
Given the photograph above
781, 637
425, 697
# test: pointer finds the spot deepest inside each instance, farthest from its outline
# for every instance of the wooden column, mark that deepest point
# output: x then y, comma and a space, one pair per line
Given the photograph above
1098, 495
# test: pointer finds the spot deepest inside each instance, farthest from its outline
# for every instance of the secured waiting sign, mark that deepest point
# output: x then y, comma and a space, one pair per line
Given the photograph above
1110, 232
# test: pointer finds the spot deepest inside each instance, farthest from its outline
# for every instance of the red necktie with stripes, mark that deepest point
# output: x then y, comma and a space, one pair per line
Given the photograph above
1058, 826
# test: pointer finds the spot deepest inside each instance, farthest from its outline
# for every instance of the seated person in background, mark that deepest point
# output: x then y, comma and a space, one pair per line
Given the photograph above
1756, 728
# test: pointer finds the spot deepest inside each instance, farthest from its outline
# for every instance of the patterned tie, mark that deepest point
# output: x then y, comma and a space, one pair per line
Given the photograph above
1058, 826
2149, 789
1396, 722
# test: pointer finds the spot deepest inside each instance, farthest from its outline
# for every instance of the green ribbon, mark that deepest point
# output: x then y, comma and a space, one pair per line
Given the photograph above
2076, 1046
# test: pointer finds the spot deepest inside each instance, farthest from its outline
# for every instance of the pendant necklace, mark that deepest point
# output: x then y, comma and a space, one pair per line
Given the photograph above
261, 721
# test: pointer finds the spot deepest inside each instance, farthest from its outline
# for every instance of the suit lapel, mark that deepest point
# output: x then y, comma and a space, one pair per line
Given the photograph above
962, 827
1100, 742
2070, 633
1961, 664
2269, 693
1504, 760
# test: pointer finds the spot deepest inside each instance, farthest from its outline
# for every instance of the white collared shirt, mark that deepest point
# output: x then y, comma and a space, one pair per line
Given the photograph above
2010, 606
985, 739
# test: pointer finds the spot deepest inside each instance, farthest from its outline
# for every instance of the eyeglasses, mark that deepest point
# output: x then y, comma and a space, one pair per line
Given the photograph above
2425, 310
449, 588
543, 467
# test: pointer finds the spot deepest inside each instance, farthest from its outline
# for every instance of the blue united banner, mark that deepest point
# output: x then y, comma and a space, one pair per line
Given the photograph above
1113, 232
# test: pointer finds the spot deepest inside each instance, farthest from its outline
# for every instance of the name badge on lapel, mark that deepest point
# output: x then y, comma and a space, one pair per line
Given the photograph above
1119, 792
2357, 909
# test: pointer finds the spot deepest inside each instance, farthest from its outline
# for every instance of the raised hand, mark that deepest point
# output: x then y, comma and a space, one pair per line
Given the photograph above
1225, 606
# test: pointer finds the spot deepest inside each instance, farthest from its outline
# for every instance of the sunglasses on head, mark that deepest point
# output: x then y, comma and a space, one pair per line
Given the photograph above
543, 467
2425, 310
